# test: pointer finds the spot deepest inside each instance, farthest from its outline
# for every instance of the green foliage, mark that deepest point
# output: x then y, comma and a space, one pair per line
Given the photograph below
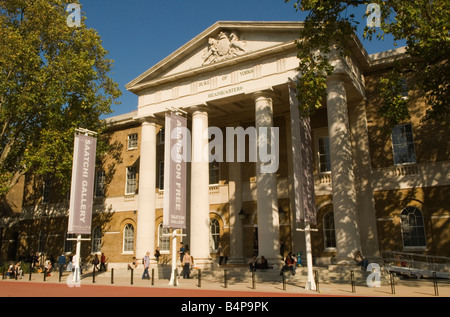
423, 24
395, 107
53, 79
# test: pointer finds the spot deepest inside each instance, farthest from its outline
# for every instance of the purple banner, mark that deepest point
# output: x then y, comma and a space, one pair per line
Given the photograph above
82, 187
175, 172
304, 196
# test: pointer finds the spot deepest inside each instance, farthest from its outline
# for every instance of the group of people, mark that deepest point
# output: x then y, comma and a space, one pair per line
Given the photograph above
14, 270
187, 261
102, 261
256, 263
290, 262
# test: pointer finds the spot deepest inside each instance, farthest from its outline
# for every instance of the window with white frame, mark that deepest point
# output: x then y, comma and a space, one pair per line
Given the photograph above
323, 146
214, 231
163, 241
128, 238
329, 232
403, 144
132, 141
131, 180
96, 239
100, 183
413, 228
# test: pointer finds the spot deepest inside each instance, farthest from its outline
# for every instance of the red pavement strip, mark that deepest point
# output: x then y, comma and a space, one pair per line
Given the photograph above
32, 289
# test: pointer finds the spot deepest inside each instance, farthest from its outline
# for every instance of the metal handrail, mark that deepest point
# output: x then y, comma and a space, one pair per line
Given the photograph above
414, 261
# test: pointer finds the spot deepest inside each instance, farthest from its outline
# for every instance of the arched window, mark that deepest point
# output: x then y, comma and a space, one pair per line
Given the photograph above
329, 233
163, 241
96, 239
214, 234
413, 228
128, 238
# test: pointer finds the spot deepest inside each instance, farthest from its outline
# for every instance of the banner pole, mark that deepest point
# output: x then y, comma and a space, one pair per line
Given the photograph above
310, 284
174, 257
76, 276
77, 271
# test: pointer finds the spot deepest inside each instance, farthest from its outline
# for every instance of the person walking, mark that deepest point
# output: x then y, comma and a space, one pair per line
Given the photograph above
103, 262
146, 262
186, 263
95, 262
157, 254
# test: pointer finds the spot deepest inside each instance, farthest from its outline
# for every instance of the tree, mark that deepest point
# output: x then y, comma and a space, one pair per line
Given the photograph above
53, 79
422, 24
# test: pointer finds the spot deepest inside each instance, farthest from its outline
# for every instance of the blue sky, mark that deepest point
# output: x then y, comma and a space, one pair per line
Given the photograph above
140, 33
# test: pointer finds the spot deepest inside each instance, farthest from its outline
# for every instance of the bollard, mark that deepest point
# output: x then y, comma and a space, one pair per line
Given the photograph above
45, 273
153, 276
284, 281
199, 278
225, 278
93, 275
435, 284
392, 283
352, 279
31, 270
131, 276
316, 279
253, 280
112, 275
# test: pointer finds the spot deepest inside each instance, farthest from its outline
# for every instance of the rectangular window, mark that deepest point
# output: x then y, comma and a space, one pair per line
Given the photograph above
131, 180
214, 172
163, 241
132, 141
46, 191
324, 155
403, 144
161, 175
100, 184
162, 136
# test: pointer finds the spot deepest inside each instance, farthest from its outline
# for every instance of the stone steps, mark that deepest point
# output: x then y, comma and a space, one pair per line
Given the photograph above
241, 274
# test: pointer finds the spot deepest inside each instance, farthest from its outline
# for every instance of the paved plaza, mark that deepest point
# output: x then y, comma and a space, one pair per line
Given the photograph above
121, 284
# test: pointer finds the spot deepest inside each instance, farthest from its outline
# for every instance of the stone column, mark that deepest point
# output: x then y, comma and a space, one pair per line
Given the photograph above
235, 205
266, 185
342, 176
363, 180
145, 235
200, 234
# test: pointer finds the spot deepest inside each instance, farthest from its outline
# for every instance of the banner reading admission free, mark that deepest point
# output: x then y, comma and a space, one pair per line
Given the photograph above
174, 215
82, 187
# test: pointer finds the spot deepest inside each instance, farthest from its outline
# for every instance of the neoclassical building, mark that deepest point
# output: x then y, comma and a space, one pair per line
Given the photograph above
377, 188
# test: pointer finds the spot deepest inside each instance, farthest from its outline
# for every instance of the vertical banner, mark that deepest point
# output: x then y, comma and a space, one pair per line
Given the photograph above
82, 187
175, 158
304, 197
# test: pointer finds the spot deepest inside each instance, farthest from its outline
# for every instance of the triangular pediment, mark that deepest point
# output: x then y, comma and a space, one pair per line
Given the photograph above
222, 44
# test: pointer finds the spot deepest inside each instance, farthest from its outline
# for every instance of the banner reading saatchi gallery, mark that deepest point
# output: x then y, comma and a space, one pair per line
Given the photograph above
82, 187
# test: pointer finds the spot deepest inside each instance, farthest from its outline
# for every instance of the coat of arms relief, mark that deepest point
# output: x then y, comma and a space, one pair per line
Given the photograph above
224, 46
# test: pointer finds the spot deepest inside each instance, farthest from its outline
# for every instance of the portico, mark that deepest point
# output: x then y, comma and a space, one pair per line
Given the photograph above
238, 74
